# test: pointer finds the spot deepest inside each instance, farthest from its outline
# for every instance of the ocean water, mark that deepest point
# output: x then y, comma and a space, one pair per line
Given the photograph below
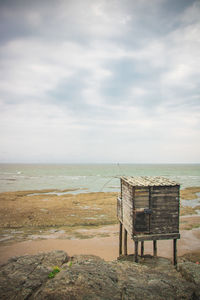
89, 177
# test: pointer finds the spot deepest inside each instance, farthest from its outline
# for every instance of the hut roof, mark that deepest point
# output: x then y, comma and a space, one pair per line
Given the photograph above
149, 181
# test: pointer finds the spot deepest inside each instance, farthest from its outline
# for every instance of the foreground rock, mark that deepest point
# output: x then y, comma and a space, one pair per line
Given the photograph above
90, 277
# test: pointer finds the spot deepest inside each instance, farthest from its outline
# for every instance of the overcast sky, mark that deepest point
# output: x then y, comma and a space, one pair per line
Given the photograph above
100, 81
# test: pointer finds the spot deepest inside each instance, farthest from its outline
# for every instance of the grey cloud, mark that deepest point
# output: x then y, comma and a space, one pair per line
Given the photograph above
92, 72
128, 76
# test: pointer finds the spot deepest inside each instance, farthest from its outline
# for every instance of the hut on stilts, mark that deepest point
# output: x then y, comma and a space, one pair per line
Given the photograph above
148, 209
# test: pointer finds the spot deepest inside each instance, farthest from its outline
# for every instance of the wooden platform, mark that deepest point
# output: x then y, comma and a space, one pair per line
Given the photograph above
155, 237
147, 237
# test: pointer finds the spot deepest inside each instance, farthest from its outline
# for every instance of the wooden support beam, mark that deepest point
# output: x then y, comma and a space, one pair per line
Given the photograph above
154, 248
175, 251
142, 248
125, 241
136, 251
120, 238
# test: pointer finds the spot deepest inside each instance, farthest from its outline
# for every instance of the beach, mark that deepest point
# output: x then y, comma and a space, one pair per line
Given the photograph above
80, 223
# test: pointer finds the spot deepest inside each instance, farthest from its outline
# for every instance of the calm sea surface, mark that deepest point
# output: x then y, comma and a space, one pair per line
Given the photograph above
93, 177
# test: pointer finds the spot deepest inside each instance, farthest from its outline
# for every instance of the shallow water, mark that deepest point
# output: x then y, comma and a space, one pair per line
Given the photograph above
93, 177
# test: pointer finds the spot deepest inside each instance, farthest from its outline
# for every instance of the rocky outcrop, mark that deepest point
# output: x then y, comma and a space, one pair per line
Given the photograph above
191, 272
21, 277
90, 277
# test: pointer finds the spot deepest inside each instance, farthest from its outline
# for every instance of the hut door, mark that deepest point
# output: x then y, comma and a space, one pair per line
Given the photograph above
142, 221
142, 210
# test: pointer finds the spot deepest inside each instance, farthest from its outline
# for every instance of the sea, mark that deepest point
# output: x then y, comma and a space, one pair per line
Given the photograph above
89, 177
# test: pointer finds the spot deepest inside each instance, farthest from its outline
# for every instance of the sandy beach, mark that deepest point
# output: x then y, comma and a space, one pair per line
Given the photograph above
105, 247
41, 221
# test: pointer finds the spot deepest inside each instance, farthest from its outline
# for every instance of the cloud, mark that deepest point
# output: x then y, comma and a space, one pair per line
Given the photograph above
99, 81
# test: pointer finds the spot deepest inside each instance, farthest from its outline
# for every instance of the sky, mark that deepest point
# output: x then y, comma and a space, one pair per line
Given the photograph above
100, 81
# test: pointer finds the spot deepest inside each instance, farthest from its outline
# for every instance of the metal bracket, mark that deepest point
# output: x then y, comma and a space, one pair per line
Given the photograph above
148, 211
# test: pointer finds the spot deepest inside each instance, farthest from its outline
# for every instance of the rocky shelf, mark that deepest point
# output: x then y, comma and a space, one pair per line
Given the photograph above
90, 277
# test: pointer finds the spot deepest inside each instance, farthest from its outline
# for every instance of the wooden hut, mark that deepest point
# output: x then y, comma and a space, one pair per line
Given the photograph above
148, 208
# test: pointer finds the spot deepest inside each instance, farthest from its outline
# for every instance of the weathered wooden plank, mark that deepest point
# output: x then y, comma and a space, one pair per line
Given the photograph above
136, 251
141, 206
163, 208
128, 220
163, 230
160, 195
164, 221
154, 248
165, 193
127, 205
158, 215
156, 237
141, 198
162, 212
165, 189
160, 231
163, 217
163, 226
142, 248
165, 200
127, 213
119, 208
162, 202
120, 238
175, 251
138, 195
125, 241
142, 181
141, 194
128, 226
154, 223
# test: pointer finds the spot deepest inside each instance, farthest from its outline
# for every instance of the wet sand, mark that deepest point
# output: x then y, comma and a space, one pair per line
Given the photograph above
106, 247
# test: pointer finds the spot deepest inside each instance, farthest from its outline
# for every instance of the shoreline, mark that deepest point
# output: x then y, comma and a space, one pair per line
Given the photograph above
84, 223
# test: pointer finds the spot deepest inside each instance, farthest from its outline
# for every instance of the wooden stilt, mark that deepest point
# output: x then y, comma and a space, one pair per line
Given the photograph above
142, 248
154, 248
136, 251
125, 241
175, 251
120, 238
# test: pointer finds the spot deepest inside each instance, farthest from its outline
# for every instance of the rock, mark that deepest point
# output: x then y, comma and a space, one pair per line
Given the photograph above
89, 277
21, 276
141, 282
191, 272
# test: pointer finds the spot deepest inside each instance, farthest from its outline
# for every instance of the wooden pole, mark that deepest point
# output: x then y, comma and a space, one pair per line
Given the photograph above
125, 241
120, 238
175, 251
136, 251
142, 248
154, 248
